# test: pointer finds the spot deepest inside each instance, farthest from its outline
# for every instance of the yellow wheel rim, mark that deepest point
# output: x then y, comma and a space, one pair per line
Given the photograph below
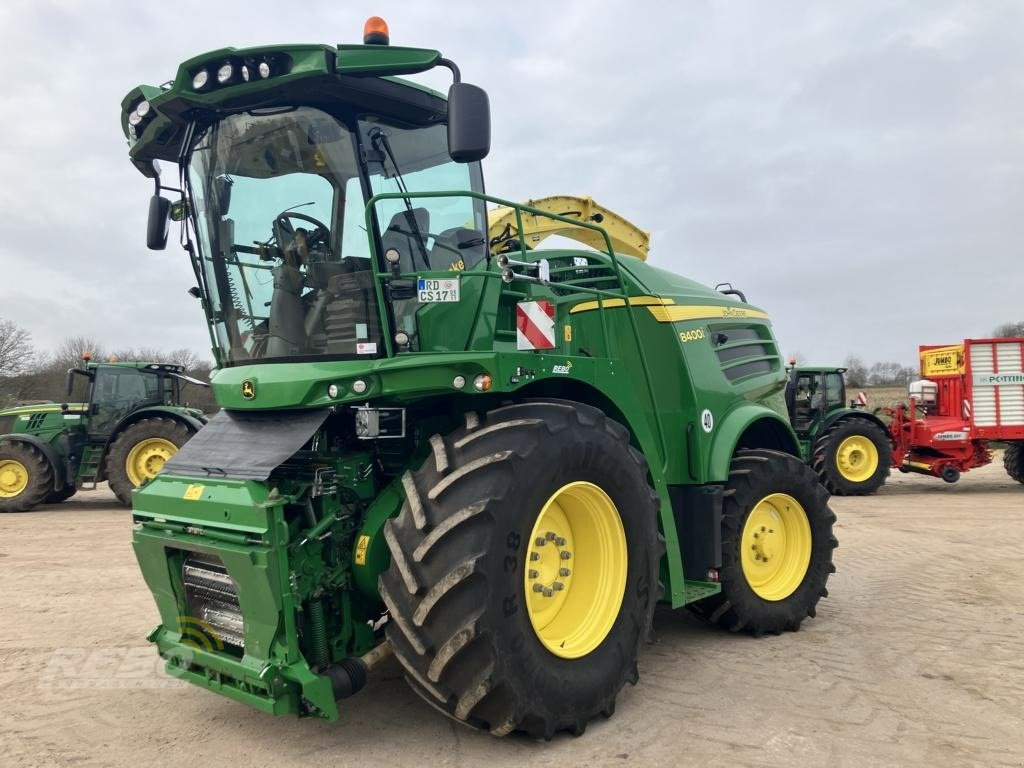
775, 546
13, 478
575, 571
147, 457
857, 458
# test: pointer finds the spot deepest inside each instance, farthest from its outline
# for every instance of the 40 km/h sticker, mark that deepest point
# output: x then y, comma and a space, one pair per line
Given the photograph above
707, 421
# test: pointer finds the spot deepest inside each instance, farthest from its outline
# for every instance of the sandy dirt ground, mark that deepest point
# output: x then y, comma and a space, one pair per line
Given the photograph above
916, 658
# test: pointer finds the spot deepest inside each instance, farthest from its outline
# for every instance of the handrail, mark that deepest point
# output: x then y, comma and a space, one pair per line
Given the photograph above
519, 208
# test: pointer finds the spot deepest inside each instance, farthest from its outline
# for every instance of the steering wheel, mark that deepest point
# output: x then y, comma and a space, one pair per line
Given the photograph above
285, 231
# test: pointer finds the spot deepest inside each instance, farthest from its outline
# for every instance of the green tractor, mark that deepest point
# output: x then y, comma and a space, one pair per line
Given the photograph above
489, 460
847, 446
131, 424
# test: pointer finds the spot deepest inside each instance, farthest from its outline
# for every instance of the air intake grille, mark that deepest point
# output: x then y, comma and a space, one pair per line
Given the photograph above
744, 352
212, 597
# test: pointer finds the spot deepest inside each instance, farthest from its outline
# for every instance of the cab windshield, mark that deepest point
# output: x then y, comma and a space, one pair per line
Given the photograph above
278, 202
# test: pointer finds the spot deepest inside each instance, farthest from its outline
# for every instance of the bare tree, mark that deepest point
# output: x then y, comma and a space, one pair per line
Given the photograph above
1009, 329
69, 352
16, 353
856, 372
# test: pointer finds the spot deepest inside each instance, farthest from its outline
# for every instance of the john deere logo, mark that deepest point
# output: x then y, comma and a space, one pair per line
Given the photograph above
248, 389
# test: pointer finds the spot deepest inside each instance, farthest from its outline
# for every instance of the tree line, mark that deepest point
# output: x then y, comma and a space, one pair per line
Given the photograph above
29, 374
892, 374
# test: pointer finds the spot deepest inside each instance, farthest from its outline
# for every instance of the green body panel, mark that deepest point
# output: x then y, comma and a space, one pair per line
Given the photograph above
690, 373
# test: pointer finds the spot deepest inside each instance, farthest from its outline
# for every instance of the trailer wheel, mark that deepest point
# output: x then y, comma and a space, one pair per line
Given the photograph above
26, 477
524, 569
1013, 461
777, 545
852, 458
140, 451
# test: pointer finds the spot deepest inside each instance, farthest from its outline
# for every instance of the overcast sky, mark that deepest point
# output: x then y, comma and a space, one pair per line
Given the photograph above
856, 168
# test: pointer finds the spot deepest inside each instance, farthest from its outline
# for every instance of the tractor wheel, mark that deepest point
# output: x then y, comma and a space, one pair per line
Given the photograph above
26, 477
852, 458
777, 545
140, 451
524, 569
1013, 460
65, 493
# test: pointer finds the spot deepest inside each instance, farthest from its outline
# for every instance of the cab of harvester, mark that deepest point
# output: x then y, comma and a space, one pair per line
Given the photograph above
435, 439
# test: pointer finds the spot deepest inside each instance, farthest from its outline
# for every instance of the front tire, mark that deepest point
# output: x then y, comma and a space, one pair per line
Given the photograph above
26, 477
777, 545
140, 451
852, 458
476, 618
1013, 461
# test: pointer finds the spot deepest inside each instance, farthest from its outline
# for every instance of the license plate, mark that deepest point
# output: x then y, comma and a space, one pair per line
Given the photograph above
434, 291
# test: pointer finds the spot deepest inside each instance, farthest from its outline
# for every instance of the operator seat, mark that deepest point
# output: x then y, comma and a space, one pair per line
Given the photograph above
407, 234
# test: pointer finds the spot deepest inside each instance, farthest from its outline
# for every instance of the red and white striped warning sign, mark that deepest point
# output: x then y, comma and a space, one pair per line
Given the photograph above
967, 409
862, 399
535, 325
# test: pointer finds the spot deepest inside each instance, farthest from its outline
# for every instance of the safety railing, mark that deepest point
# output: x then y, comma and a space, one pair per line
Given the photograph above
382, 275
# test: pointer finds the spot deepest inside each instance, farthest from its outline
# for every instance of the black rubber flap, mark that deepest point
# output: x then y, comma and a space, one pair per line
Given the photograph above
245, 445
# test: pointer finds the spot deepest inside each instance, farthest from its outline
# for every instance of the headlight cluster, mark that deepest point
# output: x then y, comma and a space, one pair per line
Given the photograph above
237, 71
139, 117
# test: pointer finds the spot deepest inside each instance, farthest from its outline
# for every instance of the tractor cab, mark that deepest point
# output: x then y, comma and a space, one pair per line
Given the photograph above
812, 394
117, 389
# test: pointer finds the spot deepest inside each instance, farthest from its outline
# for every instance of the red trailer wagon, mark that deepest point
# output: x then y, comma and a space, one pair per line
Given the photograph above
969, 394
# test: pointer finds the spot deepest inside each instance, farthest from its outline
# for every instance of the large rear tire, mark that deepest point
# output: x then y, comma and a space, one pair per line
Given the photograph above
524, 569
26, 477
1013, 461
777, 545
852, 458
140, 451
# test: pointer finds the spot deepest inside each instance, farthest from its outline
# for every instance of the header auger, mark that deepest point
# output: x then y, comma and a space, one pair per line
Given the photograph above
435, 439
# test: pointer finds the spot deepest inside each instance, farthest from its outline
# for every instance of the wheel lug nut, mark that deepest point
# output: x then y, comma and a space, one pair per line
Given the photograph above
538, 588
547, 592
560, 542
558, 586
564, 572
550, 535
757, 535
540, 541
534, 574
565, 555
535, 556
763, 528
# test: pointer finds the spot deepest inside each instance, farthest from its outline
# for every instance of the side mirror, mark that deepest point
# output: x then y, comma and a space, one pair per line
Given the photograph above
71, 381
159, 223
469, 123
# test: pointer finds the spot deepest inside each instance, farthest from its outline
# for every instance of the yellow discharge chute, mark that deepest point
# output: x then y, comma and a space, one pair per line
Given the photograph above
626, 238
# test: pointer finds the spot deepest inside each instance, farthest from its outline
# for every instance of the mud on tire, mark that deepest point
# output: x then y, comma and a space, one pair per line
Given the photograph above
116, 472
753, 476
455, 587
